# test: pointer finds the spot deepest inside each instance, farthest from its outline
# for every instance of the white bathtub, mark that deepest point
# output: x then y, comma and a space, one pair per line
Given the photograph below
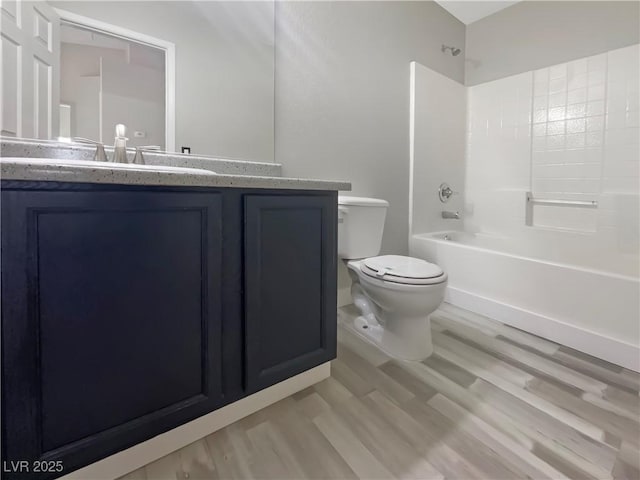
582, 306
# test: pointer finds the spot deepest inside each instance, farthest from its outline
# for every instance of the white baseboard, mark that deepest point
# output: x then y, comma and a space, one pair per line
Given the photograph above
146, 452
612, 350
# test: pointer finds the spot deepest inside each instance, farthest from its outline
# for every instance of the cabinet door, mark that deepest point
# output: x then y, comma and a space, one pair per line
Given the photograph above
111, 319
290, 285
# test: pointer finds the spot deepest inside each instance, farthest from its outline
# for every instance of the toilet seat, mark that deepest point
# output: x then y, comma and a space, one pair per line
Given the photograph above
402, 270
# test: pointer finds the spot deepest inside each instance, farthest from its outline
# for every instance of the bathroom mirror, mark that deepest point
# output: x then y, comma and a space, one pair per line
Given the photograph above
189, 75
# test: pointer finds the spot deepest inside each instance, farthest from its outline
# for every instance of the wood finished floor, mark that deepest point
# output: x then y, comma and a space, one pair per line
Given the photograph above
492, 402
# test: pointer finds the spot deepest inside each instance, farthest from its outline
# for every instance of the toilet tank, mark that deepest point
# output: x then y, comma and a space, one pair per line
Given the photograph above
360, 226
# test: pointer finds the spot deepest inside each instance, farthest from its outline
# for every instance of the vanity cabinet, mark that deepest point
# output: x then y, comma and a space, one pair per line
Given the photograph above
290, 290
128, 311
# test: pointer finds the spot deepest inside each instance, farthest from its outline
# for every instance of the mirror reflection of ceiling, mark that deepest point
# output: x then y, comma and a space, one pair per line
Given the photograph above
145, 55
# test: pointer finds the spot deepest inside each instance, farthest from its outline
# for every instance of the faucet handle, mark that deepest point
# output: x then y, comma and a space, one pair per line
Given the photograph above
100, 155
445, 192
139, 158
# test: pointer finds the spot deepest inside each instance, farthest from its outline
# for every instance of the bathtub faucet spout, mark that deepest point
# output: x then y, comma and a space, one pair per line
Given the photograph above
451, 215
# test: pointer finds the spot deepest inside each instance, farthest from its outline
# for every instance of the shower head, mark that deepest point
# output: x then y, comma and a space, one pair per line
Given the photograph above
454, 51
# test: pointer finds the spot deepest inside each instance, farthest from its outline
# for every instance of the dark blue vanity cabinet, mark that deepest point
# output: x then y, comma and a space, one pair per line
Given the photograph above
127, 311
290, 285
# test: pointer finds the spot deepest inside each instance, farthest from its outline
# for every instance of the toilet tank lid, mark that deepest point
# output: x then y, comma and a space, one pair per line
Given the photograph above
362, 201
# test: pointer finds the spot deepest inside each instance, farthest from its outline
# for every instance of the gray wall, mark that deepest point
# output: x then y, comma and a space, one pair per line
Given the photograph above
225, 68
342, 93
535, 34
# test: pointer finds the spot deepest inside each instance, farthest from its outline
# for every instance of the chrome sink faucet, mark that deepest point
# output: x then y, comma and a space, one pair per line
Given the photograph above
120, 145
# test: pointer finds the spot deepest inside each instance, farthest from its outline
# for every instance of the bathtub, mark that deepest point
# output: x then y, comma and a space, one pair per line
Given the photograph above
593, 306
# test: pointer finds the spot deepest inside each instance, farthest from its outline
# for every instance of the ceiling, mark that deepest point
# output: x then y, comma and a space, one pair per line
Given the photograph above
470, 11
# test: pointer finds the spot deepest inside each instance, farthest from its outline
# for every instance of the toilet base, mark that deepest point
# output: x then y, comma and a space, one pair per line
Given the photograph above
415, 348
404, 335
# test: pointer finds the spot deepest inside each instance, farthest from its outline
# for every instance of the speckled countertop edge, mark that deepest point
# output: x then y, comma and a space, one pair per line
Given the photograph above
27, 148
230, 172
76, 174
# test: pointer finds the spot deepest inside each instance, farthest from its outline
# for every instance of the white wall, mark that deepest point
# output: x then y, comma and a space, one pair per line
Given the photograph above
342, 96
342, 93
80, 86
498, 154
439, 110
135, 96
569, 131
535, 34
225, 68
619, 218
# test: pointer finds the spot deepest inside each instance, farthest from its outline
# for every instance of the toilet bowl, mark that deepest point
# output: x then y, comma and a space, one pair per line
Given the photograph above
395, 310
394, 294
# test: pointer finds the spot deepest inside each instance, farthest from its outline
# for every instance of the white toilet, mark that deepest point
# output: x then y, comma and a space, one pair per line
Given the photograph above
395, 295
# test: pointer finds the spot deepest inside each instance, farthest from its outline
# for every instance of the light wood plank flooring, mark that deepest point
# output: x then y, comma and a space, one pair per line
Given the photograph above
493, 402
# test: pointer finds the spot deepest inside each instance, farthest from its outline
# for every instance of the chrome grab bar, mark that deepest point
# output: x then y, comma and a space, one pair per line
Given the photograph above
562, 203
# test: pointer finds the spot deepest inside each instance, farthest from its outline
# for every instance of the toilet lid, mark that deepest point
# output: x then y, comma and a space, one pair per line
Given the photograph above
400, 269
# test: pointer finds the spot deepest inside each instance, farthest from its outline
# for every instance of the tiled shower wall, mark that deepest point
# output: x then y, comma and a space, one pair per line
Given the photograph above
498, 167
570, 131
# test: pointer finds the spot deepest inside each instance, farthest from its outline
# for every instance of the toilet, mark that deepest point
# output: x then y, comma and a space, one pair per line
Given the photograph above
394, 294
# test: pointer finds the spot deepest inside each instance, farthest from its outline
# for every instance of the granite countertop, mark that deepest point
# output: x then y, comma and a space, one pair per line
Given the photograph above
32, 170
31, 148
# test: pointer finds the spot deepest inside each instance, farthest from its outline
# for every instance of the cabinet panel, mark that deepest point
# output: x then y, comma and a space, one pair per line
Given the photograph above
128, 311
290, 285
112, 332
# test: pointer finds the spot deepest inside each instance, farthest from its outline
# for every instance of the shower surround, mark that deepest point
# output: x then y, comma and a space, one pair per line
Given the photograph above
566, 134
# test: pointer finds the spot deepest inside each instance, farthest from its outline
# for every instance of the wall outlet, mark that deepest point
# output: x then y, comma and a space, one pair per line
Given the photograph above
186, 150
